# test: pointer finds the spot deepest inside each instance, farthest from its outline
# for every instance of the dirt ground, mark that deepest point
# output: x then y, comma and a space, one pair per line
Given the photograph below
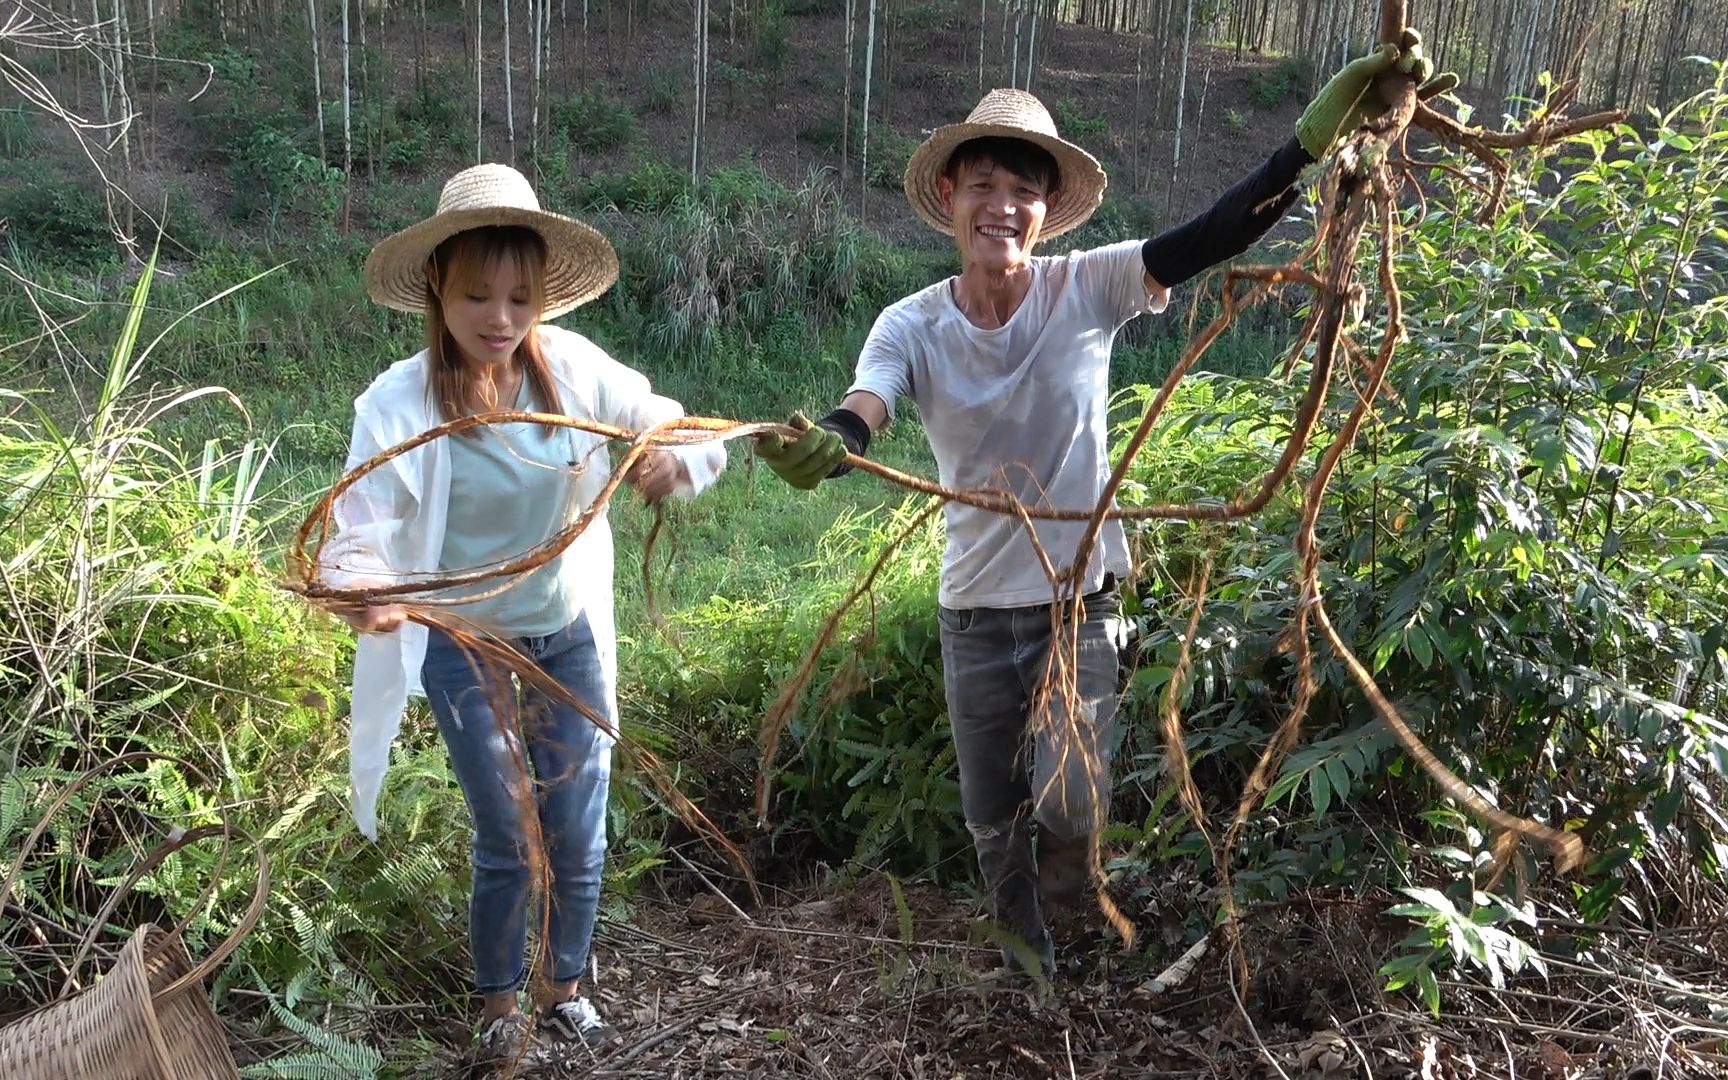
848, 981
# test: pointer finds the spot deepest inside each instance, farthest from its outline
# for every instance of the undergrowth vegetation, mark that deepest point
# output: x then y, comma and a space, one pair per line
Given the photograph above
1527, 549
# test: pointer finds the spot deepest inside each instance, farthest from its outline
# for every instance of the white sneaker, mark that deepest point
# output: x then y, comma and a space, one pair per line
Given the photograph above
576, 1020
503, 1035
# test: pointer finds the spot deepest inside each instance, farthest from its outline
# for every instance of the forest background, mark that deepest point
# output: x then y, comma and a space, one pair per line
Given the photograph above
1525, 545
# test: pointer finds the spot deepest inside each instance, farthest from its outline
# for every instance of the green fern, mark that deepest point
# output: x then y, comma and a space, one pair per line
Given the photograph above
901, 909
331, 1056
416, 874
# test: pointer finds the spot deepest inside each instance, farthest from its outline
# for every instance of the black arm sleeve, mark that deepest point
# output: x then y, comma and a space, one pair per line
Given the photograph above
1239, 217
853, 431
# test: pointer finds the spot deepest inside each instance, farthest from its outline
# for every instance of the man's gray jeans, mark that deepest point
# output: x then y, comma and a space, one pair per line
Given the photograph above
1016, 767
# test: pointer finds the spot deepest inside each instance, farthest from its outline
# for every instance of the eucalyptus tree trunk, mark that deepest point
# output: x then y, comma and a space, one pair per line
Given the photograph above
121, 37
542, 22
885, 15
1032, 43
699, 87
509, 92
479, 86
103, 89
347, 101
1679, 27
155, 69
317, 78
846, 93
981, 18
1639, 68
1448, 26
368, 98
1619, 59
1181, 106
420, 51
1139, 137
1167, 24
864, 135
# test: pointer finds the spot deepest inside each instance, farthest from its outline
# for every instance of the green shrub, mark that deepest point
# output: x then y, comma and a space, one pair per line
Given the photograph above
866, 768
1077, 124
141, 614
434, 107
57, 223
649, 188
890, 150
824, 134
732, 256
595, 122
408, 148
668, 86
925, 17
1268, 89
1523, 547
773, 42
273, 175
740, 86
17, 131
1118, 217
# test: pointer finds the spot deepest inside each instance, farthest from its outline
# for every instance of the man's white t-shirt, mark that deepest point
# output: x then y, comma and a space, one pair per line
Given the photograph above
1023, 407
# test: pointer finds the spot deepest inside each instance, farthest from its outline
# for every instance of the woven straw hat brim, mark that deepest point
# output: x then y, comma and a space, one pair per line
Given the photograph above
1082, 178
580, 262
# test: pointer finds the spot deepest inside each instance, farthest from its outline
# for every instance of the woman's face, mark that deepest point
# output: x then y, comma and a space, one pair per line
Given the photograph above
489, 315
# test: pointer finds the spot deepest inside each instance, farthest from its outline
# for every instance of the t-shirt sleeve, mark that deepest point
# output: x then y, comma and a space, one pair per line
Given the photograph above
1113, 279
884, 363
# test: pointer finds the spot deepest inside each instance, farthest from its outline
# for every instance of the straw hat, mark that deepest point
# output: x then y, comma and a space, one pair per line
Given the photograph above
1013, 114
580, 263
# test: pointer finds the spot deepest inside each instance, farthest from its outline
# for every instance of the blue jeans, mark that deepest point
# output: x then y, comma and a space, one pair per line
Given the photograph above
572, 765
1017, 769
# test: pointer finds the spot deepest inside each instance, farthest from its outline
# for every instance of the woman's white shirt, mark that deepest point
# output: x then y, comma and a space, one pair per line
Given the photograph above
390, 526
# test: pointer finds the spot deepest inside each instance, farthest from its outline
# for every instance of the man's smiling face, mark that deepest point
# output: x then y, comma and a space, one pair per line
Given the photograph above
998, 214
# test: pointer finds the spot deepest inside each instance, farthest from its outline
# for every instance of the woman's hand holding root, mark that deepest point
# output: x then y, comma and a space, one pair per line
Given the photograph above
655, 475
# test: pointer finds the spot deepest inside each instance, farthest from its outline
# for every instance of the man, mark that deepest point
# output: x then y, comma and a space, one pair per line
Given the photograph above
1008, 363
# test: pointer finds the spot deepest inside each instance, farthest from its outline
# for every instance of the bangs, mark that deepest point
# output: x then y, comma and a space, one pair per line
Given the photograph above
1024, 159
470, 258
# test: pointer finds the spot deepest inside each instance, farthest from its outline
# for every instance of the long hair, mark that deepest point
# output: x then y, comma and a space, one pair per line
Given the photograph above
463, 262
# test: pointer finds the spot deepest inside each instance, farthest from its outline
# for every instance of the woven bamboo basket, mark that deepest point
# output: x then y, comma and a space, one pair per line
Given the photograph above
147, 1018
121, 1029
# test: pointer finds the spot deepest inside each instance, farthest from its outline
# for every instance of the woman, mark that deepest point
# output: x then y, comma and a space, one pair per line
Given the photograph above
487, 270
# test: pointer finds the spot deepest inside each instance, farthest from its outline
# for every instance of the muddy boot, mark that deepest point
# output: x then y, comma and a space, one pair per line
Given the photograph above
1064, 867
1005, 859
1020, 918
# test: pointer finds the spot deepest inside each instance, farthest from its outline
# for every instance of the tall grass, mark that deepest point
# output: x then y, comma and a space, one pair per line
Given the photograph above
138, 611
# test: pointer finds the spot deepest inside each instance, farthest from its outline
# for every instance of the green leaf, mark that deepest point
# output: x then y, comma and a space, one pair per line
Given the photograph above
1430, 989
1420, 648
1320, 790
1340, 777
